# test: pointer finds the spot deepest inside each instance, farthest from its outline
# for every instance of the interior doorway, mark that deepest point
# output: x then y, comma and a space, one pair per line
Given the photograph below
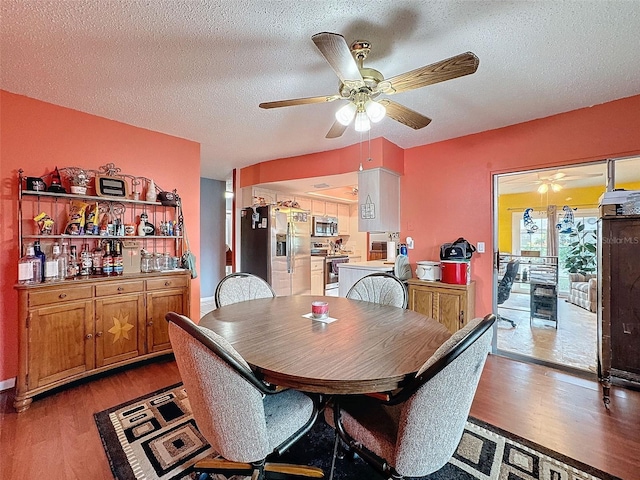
545, 277
546, 285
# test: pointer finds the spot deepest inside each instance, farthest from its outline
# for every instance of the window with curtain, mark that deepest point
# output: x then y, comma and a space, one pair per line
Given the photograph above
542, 239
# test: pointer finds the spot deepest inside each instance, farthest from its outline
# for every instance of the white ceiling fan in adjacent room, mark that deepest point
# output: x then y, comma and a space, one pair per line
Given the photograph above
544, 183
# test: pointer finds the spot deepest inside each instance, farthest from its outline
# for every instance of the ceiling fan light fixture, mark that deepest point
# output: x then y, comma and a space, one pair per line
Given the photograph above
346, 113
362, 123
375, 111
556, 187
544, 188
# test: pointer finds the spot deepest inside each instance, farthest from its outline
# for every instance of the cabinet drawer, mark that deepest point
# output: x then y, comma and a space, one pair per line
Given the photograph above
317, 266
168, 282
60, 295
115, 288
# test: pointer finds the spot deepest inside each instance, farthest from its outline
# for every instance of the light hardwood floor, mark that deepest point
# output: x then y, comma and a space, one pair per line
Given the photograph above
57, 436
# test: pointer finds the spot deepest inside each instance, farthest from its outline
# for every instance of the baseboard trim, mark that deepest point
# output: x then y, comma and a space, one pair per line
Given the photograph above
7, 384
207, 299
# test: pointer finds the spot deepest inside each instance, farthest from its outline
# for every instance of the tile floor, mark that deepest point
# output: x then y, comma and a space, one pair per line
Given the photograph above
573, 344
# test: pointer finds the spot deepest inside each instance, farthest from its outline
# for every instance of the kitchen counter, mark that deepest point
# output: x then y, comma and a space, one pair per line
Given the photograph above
373, 265
351, 272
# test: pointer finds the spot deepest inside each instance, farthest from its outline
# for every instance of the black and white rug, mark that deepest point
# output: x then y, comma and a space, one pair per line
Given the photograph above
155, 437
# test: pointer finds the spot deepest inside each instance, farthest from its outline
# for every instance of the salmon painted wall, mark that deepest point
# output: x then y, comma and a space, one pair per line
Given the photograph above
441, 204
37, 136
332, 162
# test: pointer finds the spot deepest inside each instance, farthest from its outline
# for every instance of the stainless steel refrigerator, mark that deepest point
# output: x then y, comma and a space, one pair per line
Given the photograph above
275, 244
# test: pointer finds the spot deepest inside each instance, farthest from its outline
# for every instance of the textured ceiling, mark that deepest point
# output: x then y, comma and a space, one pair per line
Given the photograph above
199, 69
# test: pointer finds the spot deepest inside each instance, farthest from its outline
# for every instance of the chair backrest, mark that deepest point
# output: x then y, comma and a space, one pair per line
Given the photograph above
504, 287
240, 287
380, 288
225, 396
433, 417
402, 268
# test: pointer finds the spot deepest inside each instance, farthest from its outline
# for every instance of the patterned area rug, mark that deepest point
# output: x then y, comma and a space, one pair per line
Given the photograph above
155, 437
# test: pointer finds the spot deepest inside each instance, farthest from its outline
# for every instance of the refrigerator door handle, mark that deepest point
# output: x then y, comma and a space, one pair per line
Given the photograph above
289, 251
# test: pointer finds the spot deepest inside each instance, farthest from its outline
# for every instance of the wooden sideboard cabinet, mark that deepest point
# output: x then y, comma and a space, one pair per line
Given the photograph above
452, 305
619, 301
73, 329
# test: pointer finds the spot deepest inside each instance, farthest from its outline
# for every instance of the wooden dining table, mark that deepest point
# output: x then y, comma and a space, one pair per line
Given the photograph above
368, 348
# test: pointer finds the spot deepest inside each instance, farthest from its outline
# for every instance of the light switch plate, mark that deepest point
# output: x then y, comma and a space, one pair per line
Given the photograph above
480, 247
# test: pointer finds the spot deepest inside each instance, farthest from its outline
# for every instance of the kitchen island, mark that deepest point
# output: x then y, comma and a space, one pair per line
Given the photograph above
350, 273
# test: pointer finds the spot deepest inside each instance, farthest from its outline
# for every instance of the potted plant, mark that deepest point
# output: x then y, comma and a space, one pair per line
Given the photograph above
581, 257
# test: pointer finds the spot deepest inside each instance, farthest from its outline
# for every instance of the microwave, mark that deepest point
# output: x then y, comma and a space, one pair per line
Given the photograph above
325, 227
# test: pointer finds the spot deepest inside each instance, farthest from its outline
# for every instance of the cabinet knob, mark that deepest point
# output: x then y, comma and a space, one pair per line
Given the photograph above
167, 283
62, 295
120, 289
98, 334
150, 323
89, 336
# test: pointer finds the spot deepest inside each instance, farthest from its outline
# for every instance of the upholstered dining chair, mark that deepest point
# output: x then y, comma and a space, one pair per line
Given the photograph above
239, 287
244, 419
381, 288
415, 430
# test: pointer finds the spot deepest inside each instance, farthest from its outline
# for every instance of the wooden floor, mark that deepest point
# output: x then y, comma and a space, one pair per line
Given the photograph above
57, 436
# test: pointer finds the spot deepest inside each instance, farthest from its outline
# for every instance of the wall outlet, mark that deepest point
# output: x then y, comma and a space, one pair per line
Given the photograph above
480, 247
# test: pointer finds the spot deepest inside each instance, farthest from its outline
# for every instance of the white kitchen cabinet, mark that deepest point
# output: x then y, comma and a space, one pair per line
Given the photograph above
317, 207
317, 275
304, 202
343, 219
378, 201
331, 209
251, 195
284, 197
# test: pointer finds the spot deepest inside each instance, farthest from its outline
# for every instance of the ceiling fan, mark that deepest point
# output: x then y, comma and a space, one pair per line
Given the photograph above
362, 86
555, 182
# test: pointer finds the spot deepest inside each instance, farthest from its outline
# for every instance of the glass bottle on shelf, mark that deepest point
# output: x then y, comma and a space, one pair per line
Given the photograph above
40, 254
118, 260
51, 268
107, 260
29, 268
86, 262
73, 267
96, 260
63, 262
142, 224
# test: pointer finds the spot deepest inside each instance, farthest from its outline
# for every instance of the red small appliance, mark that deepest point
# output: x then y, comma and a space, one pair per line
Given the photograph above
458, 273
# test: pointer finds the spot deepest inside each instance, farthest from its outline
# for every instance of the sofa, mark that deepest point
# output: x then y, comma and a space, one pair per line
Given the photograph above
583, 291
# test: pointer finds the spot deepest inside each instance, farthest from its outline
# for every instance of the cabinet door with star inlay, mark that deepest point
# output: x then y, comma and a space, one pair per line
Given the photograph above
119, 328
60, 342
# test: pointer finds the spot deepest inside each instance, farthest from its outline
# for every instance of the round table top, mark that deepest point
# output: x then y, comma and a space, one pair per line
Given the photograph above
369, 348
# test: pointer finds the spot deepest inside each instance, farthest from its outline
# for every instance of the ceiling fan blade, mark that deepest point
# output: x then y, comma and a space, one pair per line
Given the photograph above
405, 115
335, 50
299, 101
336, 130
454, 67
